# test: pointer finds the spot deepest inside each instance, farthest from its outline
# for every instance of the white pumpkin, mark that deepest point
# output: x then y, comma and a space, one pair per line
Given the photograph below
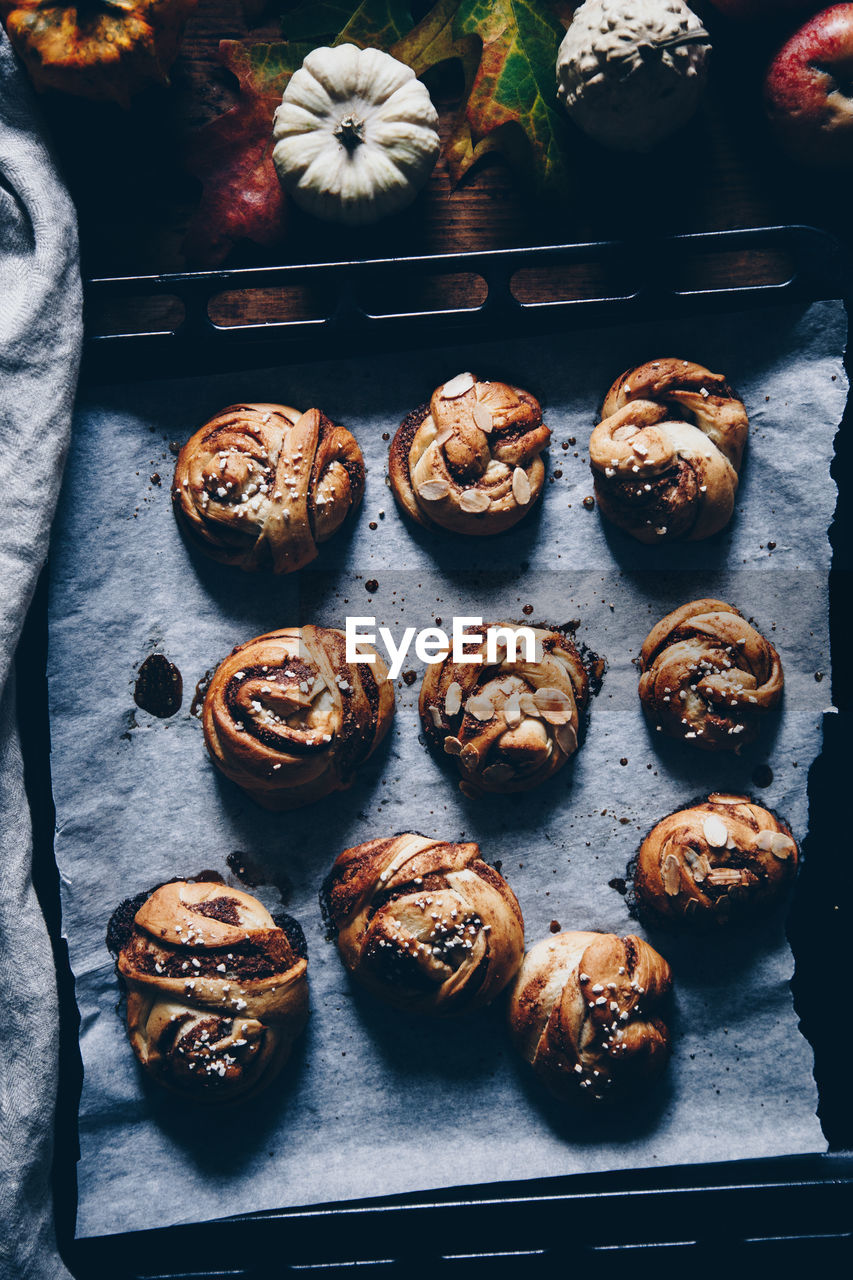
630, 72
355, 136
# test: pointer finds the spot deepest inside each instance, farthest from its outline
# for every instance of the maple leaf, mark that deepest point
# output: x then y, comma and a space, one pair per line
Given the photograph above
372, 22
511, 101
433, 41
516, 84
232, 156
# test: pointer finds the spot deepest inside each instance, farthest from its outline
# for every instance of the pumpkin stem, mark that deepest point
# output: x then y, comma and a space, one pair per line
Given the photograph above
350, 132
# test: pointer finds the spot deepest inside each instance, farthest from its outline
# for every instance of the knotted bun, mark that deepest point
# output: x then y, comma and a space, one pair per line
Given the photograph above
510, 725
470, 460
583, 1012
667, 453
217, 990
425, 924
726, 857
261, 485
708, 677
289, 720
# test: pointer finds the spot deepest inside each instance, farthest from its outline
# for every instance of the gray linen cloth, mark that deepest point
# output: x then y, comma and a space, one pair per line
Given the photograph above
40, 337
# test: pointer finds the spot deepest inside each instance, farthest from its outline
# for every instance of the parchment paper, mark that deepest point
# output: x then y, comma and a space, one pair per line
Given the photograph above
375, 1102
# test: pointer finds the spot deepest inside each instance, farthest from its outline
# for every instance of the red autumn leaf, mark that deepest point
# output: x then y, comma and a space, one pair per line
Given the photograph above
242, 199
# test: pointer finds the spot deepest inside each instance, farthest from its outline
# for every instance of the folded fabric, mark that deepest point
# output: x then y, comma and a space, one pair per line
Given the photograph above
40, 338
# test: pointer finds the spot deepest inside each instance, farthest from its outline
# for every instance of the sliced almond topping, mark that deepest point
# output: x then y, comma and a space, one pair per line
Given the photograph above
433, 490
776, 842
483, 418
512, 711
520, 486
720, 876
716, 832
480, 707
498, 772
457, 386
453, 699
781, 846
553, 705
567, 738
470, 757
549, 695
443, 436
495, 472
452, 746
698, 864
474, 501
436, 717
671, 876
528, 705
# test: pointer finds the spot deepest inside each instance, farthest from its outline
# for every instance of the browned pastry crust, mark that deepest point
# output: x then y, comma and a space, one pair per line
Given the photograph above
287, 718
425, 924
470, 461
511, 726
261, 485
217, 993
666, 455
708, 676
583, 1013
726, 857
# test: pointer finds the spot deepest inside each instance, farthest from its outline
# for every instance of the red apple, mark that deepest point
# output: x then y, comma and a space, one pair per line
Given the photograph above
808, 92
750, 10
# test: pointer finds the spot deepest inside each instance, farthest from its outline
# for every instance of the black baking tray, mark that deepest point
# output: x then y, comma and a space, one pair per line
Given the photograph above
660, 1221
634, 281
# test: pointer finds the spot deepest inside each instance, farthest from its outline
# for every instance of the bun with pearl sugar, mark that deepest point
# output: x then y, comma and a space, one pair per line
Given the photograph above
217, 989
708, 677
260, 486
666, 455
424, 924
584, 1012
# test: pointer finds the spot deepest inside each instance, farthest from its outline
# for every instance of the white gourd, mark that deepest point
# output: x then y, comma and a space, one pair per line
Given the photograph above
355, 136
631, 72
